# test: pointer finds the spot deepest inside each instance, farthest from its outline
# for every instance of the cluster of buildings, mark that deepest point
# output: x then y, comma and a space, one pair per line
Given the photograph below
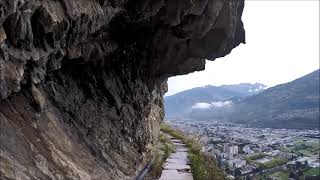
242, 150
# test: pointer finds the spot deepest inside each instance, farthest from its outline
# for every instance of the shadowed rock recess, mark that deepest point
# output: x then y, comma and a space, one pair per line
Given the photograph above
82, 81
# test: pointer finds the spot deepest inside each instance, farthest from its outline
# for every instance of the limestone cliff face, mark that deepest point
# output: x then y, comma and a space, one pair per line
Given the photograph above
82, 81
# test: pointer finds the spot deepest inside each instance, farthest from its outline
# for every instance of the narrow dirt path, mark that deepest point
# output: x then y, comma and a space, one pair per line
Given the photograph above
176, 166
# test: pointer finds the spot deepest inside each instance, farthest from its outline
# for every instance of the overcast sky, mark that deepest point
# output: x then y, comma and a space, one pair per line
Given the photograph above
282, 44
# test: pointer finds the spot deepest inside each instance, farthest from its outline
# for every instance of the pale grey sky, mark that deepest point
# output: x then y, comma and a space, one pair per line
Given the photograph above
282, 44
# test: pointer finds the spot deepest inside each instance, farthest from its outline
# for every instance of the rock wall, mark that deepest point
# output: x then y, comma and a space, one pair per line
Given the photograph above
82, 81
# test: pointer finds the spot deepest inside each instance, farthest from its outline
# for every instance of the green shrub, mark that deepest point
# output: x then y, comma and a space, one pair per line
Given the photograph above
272, 163
256, 156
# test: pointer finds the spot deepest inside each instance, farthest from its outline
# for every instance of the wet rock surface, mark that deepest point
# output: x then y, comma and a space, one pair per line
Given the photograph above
82, 81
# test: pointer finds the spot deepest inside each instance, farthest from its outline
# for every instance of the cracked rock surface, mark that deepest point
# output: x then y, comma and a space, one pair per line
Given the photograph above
82, 81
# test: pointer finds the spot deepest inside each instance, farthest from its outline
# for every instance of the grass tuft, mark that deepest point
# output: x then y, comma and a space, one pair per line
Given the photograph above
160, 153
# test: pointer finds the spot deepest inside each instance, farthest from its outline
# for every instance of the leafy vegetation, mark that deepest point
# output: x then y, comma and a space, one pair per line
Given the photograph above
160, 153
203, 167
256, 156
312, 172
306, 148
272, 163
302, 147
280, 175
167, 146
267, 165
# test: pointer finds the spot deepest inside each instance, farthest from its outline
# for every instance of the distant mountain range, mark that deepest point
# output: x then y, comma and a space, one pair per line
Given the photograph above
184, 104
290, 105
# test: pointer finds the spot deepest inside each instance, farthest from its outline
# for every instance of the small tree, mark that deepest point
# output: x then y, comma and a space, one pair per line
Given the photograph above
237, 172
227, 168
305, 164
298, 164
291, 174
248, 177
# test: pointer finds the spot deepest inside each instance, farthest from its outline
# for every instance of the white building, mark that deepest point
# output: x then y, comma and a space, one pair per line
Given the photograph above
286, 155
230, 150
234, 150
246, 149
238, 163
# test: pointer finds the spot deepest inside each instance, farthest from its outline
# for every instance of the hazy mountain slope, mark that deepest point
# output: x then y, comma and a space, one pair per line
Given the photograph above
180, 104
291, 105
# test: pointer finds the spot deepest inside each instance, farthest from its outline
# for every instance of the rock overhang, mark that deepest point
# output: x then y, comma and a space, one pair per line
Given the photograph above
163, 38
